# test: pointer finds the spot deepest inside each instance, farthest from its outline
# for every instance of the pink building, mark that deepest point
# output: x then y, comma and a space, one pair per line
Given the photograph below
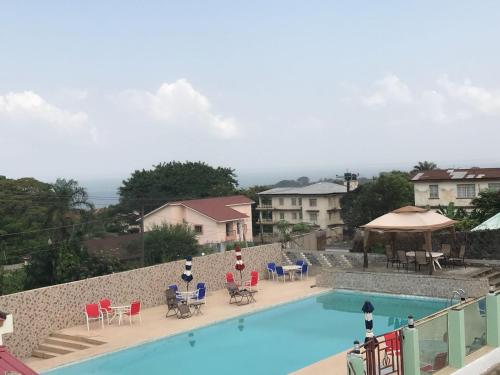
215, 220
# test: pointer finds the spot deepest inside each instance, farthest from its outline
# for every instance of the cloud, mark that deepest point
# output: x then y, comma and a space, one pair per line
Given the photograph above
28, 105
478, 98
388, 89
180, 104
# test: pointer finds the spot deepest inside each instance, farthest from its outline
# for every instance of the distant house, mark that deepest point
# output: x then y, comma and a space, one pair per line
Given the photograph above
317, 204
215, 220
440, 187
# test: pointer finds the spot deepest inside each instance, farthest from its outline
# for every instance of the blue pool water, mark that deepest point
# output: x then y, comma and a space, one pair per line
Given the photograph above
274, 341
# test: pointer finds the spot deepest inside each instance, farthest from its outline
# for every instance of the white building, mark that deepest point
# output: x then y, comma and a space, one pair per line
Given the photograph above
440, 187
317, 204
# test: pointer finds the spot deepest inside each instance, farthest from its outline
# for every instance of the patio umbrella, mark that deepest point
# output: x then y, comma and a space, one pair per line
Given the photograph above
368, 310
187, 276
240, 266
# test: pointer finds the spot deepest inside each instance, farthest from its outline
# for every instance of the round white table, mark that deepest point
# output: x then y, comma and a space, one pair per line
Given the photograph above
119, 311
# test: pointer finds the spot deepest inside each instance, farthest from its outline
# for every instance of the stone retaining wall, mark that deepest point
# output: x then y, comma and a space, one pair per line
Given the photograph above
401, 283
39, 312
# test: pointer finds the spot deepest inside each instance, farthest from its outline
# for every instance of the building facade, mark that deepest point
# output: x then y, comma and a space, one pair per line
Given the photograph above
317, 204
440, 187
215, 220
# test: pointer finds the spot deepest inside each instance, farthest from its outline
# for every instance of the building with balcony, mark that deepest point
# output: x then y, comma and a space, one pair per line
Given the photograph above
317, 204
215, 220
441, 187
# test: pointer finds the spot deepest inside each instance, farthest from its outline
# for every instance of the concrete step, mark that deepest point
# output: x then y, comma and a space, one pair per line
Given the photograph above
53, 349
41, 354
66, 344
77, 338
484, 272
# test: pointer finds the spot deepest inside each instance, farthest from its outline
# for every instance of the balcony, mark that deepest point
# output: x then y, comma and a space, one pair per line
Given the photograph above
265, 221
265, 207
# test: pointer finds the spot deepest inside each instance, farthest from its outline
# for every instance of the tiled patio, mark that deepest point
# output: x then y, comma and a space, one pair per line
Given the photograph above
155, 325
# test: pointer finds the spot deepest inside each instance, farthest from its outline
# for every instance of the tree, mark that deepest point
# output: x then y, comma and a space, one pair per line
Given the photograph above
386, 193
424, 166
175, 181
284, 228
486, 205
169, 242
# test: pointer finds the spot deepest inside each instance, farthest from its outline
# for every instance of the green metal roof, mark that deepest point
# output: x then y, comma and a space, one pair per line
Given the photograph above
491, 223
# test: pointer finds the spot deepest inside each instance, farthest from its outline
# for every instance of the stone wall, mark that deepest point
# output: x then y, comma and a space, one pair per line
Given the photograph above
39, 312
401, 283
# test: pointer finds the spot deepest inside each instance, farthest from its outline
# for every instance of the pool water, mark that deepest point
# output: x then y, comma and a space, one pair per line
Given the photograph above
278, 340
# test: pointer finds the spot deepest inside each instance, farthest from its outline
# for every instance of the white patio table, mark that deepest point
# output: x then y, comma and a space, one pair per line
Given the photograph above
435, 257
185, 296
119, 311
291, 270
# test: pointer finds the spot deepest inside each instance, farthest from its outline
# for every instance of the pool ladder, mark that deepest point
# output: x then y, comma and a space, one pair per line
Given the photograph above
460, 293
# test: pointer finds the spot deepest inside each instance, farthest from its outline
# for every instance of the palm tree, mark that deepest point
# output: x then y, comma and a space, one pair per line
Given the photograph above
424, 166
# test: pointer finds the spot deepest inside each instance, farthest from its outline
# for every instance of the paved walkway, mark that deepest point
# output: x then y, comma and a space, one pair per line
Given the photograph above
155, 325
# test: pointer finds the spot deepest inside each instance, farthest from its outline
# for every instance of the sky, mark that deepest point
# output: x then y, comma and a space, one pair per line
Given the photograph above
273, 89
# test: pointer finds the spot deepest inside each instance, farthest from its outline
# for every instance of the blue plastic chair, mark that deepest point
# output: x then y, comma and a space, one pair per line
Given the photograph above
271, 270
303, 270
299, 262
200, 292
280, 273
175, 289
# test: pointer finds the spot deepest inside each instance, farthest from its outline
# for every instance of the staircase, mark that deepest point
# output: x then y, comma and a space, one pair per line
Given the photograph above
60, 344
492, 274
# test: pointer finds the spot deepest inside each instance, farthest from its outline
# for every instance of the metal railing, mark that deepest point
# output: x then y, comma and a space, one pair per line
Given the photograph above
383, 354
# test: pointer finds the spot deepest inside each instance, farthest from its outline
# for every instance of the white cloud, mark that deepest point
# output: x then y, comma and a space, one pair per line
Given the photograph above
28, 105
179, 103
478, 98
388, 89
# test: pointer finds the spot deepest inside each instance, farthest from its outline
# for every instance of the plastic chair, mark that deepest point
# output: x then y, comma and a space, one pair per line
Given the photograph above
200, 292
254, 279
299, 262
271, 270
105, 306
280, 273
303, 270
92, 312
135, 310
229, 277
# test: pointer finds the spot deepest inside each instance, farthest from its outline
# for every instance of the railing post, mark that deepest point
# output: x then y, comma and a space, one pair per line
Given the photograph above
493, 319
456, 337
356, 365
411, 349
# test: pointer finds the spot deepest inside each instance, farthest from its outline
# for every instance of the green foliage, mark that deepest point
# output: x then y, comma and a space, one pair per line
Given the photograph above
424, 166
175, 181
301, 228
385, 193
241, 244
169, 242
13, 281
284, 228
486, 205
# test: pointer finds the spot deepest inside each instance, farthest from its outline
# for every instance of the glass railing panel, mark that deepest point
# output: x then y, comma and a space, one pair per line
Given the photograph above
475, 326
433, 342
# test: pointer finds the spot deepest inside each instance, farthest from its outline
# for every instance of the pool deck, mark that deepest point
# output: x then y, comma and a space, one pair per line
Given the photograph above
155, 325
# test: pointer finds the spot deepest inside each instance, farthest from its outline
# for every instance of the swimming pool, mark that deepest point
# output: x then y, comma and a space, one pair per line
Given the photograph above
273, 341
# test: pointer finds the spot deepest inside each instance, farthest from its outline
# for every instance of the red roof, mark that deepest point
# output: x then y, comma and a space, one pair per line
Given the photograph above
10, 363
457, 174
216, 208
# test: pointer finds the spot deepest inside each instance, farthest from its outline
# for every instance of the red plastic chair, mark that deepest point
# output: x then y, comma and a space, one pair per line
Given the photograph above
135, 310
229, 277
92, 312
254, 279
105, 306
392, 347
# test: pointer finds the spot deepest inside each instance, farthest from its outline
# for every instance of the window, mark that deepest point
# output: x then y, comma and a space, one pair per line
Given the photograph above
433, 191
282, 201
294, 201
495, 186
300, 215
294, 215
313, 217
466, 190
313, 202
282, 216
198, 229
300, 201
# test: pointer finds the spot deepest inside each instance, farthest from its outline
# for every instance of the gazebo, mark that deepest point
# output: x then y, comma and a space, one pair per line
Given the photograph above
408, 219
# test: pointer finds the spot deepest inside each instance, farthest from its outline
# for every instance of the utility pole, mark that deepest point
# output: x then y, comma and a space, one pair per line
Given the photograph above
348, 177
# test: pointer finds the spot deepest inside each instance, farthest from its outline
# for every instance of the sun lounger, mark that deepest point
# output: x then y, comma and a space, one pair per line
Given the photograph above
238, 295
